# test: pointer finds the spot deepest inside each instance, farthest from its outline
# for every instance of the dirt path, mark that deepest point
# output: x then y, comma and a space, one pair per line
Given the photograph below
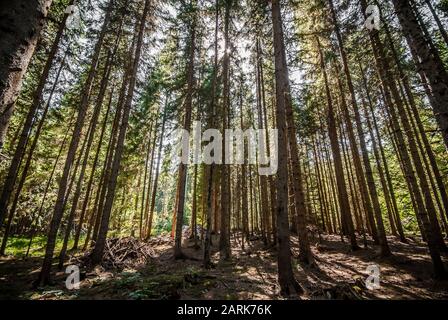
251, 274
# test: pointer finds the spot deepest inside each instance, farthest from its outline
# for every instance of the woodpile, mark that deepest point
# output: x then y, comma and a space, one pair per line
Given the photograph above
121, 253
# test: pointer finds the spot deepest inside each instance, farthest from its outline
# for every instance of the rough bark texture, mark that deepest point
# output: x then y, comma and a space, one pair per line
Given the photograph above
390, 91
288, 283
21, 22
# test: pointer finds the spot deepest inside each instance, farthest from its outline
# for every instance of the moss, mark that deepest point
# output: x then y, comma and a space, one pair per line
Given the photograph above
17, 246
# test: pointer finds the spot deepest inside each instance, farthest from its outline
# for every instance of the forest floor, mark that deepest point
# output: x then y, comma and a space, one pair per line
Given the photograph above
337, 273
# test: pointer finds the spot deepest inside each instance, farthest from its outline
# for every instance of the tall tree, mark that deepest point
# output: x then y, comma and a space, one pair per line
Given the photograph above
44, 276
287, 281
98, 250
182, 171
428, 60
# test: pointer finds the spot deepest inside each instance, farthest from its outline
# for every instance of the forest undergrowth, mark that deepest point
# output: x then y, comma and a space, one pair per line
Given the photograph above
337, 273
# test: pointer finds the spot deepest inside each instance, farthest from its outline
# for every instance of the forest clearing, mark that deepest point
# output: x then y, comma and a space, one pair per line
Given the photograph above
223, 150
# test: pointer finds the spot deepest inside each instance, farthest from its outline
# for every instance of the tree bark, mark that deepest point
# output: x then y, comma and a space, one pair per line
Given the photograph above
97, 253
21, 22
7, 110
288, 283
429, 62
182, 171
44, 276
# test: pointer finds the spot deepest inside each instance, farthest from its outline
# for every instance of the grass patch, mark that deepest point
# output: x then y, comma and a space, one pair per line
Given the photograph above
17, 246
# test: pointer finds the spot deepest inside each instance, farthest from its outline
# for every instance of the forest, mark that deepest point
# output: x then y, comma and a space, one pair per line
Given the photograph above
337, 111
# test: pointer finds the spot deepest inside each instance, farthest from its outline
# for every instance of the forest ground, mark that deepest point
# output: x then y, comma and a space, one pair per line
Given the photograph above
337, 273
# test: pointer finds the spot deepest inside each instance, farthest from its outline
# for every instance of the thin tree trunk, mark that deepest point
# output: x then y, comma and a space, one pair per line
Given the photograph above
211, 168
342, 189
27, 165
385, 251
92, 173
94, 122
224, 237
429, 62
383, 67
44, 276
182, 172
156, 178
97, 253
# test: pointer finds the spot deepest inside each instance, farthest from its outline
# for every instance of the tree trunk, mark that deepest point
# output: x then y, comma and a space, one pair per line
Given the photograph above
288, 283
97, 253
5, 114
429, 62
182, 172
211, 168
339, 172
44, 276
94, 122
385, 251
388, 84
21, 23
156, 178
27, 165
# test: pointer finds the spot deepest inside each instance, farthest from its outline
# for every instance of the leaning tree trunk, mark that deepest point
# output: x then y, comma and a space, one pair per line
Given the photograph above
340, 181
97, 253
429, 62
10, 180
44, 276
390, 91
21, 22
24, 173
94, 122
385, 251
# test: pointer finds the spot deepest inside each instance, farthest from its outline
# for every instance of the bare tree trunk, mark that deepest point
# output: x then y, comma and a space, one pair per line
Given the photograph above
385, 251
429, 62
211, 168
182, 173
224, 237
388, 84
94, 122
92, 173
27, 165
439, 23
97, 253
342, 189
288, 283
44, 276
20, 27
10, 180
156, 178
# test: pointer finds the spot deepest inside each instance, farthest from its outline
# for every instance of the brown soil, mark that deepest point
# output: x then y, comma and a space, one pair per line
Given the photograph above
337, 273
